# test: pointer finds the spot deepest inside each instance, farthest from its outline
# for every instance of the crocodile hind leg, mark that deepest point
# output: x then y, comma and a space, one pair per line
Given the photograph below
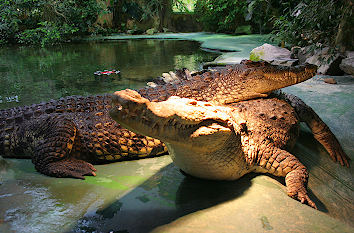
279, 162
52, 140
320, 130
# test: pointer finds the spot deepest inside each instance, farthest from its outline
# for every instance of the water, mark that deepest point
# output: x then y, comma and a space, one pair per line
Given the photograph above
31, 75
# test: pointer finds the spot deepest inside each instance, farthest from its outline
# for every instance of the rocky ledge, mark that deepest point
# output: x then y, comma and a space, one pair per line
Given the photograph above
329, 61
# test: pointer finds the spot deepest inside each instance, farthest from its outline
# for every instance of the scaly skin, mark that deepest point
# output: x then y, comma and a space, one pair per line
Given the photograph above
244, 81
227, 142
62, 136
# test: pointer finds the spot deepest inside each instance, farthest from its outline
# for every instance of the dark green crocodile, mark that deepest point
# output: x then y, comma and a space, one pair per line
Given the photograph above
226, 142
63, 137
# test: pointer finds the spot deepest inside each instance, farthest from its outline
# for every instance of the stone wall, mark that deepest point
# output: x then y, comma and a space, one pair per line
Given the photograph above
184, 22
180, 22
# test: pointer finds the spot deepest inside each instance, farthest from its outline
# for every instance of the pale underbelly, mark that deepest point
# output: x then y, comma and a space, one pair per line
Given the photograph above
226, 165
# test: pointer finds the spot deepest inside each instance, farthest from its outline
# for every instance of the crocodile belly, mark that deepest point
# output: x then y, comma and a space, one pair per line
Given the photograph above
217, 165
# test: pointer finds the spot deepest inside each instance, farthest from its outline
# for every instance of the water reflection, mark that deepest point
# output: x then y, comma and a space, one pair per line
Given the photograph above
39, 74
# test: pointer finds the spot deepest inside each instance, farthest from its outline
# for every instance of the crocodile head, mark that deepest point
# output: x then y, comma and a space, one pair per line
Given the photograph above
188, 119
262, 78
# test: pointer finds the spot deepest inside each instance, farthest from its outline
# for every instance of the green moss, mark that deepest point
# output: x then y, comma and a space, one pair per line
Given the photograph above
244, 29
256, 56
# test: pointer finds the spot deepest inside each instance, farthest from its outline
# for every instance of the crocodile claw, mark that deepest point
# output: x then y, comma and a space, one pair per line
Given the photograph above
301, 195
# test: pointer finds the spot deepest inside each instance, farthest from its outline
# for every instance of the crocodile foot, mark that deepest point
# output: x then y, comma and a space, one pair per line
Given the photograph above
337, 154
296, 182
300, 194
70, 168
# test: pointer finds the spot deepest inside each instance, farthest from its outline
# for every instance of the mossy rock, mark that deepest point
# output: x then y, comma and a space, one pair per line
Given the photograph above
151, 31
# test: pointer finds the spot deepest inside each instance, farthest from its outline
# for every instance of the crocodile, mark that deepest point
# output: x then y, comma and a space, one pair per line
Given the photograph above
225, 142
65, 137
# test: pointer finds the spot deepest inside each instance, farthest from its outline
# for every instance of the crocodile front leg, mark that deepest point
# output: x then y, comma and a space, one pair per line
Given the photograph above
278, 162
282, 163
51, 140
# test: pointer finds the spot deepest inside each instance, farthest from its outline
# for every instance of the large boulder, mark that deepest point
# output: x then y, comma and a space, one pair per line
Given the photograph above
327, 60
347, 64
273, 54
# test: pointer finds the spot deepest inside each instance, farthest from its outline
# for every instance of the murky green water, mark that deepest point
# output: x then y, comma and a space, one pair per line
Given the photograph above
31, 75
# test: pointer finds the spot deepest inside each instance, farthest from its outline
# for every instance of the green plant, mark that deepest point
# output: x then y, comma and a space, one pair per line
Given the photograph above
220, 15
46, 21
47, 33
259, 13
309, 22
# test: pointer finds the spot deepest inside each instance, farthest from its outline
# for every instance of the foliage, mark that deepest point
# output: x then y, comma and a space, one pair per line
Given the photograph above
46, 21
47, 33
309, 22
183, 5
259, 14
152, 8
220, 15
228, 15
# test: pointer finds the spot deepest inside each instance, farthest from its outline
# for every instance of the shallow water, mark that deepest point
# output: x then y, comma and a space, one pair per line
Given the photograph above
31, 75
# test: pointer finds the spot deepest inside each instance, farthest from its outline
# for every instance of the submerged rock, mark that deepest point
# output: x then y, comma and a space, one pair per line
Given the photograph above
330, 81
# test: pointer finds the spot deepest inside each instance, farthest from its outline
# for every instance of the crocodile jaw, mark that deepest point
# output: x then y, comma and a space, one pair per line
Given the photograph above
176, 120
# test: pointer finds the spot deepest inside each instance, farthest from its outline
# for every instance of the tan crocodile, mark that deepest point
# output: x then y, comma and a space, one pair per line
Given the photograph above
229, 141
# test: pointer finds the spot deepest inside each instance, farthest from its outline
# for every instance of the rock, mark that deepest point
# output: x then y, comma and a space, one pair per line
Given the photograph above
133, 32
295, 52
347, 64
151, 31
326, 60
166, 30
302, 54
3, 164
268, 52
288, 62
273, 54
330, 81
349, 54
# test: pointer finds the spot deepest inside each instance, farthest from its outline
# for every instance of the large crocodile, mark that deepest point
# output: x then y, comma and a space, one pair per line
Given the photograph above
63, 137
229, 141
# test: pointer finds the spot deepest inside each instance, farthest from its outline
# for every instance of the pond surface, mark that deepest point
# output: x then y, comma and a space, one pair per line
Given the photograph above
31, 75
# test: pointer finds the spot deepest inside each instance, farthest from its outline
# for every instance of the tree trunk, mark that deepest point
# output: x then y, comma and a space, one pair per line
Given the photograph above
344, 37
117, 14
165, 13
